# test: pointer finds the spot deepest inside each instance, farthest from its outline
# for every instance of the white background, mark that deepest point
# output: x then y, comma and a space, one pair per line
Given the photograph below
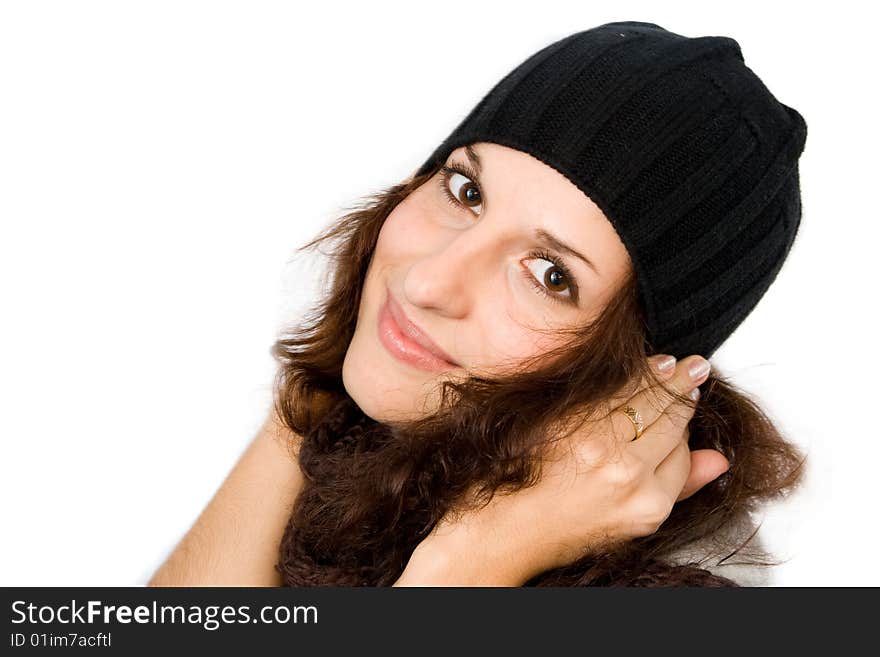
160, 162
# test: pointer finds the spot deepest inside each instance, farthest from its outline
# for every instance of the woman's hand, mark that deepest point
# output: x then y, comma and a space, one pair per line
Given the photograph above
598, 487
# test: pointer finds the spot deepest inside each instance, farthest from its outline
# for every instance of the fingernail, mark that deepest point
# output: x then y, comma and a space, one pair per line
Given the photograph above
694, 394
666, 364
699, 369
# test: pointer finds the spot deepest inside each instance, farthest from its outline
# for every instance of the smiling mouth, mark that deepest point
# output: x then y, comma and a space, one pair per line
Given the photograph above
399, 337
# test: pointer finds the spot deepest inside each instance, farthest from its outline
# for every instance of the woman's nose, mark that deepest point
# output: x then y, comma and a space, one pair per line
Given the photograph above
449, 279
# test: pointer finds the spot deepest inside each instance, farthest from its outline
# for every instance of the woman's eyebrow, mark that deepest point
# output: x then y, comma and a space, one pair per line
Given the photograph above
472, 155
554, 242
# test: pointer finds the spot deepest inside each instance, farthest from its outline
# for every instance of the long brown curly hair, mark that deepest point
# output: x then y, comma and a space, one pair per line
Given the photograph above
373, 492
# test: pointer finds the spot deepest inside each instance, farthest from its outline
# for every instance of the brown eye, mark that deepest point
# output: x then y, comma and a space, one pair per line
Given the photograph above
555, 280
465, 191
550, 276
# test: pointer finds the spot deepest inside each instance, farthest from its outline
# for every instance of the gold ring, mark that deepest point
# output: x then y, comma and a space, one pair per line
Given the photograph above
636, 418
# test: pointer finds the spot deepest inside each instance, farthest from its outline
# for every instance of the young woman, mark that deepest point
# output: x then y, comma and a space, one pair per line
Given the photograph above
508, 382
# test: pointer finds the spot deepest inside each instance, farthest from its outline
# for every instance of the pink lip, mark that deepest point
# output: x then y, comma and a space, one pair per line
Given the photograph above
407, 342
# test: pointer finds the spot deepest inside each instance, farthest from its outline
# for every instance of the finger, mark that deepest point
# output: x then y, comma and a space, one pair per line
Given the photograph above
663, 366
653, 402
673, 472
664, 434
706, 466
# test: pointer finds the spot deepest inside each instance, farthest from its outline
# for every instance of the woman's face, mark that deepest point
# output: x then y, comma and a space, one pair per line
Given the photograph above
478, 279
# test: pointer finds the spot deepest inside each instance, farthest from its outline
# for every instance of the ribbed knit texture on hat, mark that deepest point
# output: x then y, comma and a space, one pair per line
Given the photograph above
684, 149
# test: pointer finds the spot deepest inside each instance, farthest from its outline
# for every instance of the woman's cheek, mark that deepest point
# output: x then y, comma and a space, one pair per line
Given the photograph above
408, 232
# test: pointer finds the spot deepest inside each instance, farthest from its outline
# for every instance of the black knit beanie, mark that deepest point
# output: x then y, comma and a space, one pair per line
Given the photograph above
684, 149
